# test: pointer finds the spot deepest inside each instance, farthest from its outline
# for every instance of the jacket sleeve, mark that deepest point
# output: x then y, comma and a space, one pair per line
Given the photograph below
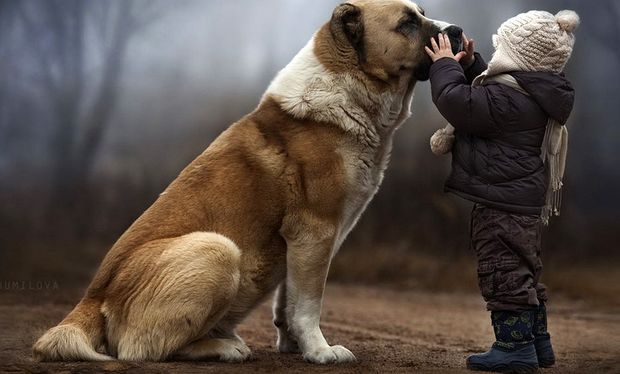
467, 108
476, 68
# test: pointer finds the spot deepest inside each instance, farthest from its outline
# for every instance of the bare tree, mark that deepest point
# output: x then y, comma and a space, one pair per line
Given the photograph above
5, 26
58, 33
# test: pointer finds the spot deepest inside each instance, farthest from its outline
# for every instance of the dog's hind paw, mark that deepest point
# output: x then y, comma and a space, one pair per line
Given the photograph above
237, 353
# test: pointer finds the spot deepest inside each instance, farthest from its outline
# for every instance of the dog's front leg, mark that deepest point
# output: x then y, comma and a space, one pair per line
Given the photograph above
308, 259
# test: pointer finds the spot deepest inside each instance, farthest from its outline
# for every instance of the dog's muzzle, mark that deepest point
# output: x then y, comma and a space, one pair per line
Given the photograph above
455, 34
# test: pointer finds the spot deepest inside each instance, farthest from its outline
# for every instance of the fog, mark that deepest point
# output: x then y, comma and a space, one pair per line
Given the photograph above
102, 103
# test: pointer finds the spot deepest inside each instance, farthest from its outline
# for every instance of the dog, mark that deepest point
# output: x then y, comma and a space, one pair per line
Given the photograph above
265, 207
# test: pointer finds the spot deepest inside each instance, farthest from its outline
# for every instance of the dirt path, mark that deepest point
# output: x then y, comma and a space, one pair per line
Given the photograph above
389, 331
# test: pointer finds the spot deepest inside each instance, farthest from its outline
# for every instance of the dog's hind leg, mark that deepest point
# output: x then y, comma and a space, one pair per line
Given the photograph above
231, 349
184, 287
286, 341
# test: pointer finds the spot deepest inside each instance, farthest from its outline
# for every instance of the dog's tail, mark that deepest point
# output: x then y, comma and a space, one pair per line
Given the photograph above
76, 338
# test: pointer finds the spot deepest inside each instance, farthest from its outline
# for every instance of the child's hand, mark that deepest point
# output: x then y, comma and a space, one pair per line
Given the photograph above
469, 59
444, 49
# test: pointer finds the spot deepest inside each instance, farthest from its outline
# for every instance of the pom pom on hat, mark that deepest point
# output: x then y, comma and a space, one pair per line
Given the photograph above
568, 20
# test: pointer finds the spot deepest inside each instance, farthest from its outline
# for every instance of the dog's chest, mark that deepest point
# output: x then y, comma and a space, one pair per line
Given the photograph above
364, 168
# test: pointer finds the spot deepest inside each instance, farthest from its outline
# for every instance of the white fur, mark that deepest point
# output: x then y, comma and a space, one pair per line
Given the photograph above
442, 25
231, 349
442, 140
66, 343
568, 20
303, 309
305, 89
305, 313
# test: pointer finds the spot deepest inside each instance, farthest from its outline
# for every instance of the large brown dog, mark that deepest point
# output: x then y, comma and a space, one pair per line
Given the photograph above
266, 206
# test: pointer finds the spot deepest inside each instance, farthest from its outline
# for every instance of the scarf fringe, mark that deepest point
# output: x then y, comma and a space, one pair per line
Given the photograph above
553, 154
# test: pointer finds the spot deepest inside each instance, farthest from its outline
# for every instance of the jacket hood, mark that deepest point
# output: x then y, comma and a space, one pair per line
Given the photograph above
553, 92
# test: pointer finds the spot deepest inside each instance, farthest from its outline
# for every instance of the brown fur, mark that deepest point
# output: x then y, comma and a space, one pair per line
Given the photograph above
267, 169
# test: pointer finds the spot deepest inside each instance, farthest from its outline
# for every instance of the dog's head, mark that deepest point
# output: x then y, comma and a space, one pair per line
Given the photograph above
387, 37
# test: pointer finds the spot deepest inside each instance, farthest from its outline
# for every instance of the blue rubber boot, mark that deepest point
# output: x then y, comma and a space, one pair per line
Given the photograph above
513, 350
542, 339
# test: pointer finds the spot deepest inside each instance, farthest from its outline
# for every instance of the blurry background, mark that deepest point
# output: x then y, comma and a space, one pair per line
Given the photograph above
102, 103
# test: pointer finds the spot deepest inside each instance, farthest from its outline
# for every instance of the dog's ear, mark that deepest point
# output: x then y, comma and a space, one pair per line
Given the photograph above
347, 27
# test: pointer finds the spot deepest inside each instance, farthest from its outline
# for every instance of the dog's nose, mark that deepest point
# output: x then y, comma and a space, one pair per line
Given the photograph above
454, 31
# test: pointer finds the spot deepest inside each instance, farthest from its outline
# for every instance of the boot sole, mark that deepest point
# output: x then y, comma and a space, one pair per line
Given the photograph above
543, 364
548, 360
514, 367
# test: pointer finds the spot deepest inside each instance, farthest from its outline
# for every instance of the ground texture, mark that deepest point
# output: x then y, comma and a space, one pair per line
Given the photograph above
388, 330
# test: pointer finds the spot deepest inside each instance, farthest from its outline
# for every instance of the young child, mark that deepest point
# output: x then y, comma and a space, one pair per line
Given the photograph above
508, 147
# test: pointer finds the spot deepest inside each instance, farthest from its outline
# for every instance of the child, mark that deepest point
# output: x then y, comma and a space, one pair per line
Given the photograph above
508, 155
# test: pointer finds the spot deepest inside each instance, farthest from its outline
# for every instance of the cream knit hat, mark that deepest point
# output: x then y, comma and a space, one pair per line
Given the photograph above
534, 41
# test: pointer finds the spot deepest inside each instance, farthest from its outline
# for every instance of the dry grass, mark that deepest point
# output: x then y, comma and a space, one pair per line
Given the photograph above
405, 268
596, 283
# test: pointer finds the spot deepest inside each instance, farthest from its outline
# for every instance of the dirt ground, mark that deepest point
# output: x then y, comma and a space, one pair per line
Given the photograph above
389, 331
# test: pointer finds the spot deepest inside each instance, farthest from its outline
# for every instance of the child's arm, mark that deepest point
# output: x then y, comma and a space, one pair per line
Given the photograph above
467, 108
473, 64
476, 68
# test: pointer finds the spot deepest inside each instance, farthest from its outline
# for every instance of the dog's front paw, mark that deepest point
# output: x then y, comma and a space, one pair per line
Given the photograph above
329, 355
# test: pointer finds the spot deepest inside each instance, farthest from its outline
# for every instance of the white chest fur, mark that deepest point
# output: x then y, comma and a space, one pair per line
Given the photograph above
365, 168
306, 89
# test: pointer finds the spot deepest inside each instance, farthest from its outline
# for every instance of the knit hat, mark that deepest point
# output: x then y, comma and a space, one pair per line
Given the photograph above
534, 41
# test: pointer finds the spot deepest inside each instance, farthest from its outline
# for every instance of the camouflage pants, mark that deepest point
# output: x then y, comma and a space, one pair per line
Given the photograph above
508, 249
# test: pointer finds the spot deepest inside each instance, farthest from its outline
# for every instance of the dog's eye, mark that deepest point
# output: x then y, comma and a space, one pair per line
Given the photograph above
408, 25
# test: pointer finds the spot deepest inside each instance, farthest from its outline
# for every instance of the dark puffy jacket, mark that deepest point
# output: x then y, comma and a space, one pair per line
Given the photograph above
499, 131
